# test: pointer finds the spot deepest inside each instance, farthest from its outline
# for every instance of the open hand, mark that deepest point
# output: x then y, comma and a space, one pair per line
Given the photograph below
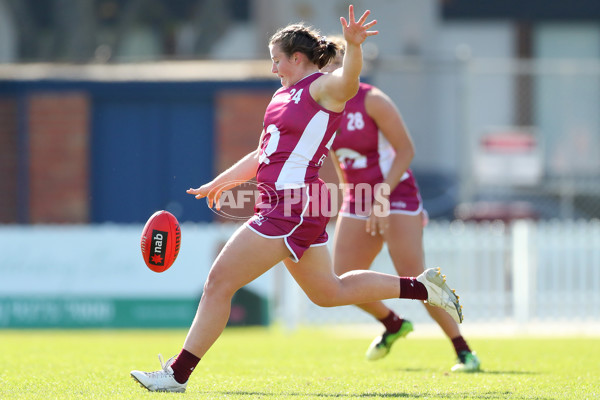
377, 225
212, 194
355, 32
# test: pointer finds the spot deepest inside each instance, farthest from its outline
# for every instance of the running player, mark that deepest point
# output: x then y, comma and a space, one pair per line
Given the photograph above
374, 147
299, 126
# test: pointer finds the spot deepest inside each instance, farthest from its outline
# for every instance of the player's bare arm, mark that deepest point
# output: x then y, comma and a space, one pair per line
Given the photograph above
387, 117
389, 120
333, 90
336, 164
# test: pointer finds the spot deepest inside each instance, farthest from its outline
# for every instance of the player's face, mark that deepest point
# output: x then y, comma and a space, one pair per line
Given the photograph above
283, 66
334, 64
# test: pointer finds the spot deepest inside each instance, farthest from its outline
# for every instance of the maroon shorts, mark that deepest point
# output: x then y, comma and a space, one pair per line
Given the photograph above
294, 215
405, 199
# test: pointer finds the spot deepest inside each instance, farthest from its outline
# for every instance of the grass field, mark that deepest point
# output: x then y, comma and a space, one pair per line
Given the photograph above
265, 363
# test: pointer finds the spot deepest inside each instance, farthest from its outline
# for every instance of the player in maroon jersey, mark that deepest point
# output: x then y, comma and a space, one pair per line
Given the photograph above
299, 126
373, 146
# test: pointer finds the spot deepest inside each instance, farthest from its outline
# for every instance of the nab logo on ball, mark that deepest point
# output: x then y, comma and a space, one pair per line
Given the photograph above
161, 240
157, 256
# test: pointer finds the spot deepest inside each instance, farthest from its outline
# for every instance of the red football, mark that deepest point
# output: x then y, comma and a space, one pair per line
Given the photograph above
161, 239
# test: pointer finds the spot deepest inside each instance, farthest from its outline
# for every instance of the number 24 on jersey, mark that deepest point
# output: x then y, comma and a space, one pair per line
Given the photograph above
295, 96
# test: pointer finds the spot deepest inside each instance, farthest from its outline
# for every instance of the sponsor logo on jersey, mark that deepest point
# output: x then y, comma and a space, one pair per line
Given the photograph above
258, 219
350, 159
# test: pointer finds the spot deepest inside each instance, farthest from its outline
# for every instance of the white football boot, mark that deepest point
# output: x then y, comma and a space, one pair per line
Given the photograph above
439, 294
160, 381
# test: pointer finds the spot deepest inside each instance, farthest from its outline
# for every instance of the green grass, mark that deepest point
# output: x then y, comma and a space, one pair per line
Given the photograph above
261, 363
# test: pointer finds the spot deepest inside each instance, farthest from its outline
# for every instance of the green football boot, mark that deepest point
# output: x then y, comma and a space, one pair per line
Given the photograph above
381, 346
467, 362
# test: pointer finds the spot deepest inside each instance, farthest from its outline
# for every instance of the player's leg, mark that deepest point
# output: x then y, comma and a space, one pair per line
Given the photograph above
314, 273
405, 246
355, 248
244, 258
406, 232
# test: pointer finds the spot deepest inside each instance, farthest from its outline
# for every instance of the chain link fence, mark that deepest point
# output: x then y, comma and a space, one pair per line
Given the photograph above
533, 130
507, 138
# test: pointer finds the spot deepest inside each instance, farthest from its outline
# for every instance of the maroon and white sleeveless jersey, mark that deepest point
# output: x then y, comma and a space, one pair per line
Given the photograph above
366, 156
298, 136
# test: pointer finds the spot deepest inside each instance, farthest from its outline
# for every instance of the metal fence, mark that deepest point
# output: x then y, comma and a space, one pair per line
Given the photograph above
515, 133
553, 102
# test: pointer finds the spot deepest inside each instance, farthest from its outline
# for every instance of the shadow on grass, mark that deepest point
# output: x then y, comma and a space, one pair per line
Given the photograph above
325, 395
484, 395
483, 371
489, 372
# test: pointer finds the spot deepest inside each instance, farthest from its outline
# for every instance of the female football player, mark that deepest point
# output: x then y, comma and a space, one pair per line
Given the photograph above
373, 147
288, 225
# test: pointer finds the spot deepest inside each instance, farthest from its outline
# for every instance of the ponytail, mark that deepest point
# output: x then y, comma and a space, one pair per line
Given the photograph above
306, 40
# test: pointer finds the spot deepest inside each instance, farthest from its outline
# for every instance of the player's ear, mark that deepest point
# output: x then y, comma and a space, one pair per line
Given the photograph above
296, 57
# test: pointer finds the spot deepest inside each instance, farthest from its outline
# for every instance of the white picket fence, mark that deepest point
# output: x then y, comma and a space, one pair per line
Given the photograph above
522, 273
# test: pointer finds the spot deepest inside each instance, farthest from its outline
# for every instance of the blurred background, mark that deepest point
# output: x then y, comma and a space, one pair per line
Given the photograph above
111, 109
